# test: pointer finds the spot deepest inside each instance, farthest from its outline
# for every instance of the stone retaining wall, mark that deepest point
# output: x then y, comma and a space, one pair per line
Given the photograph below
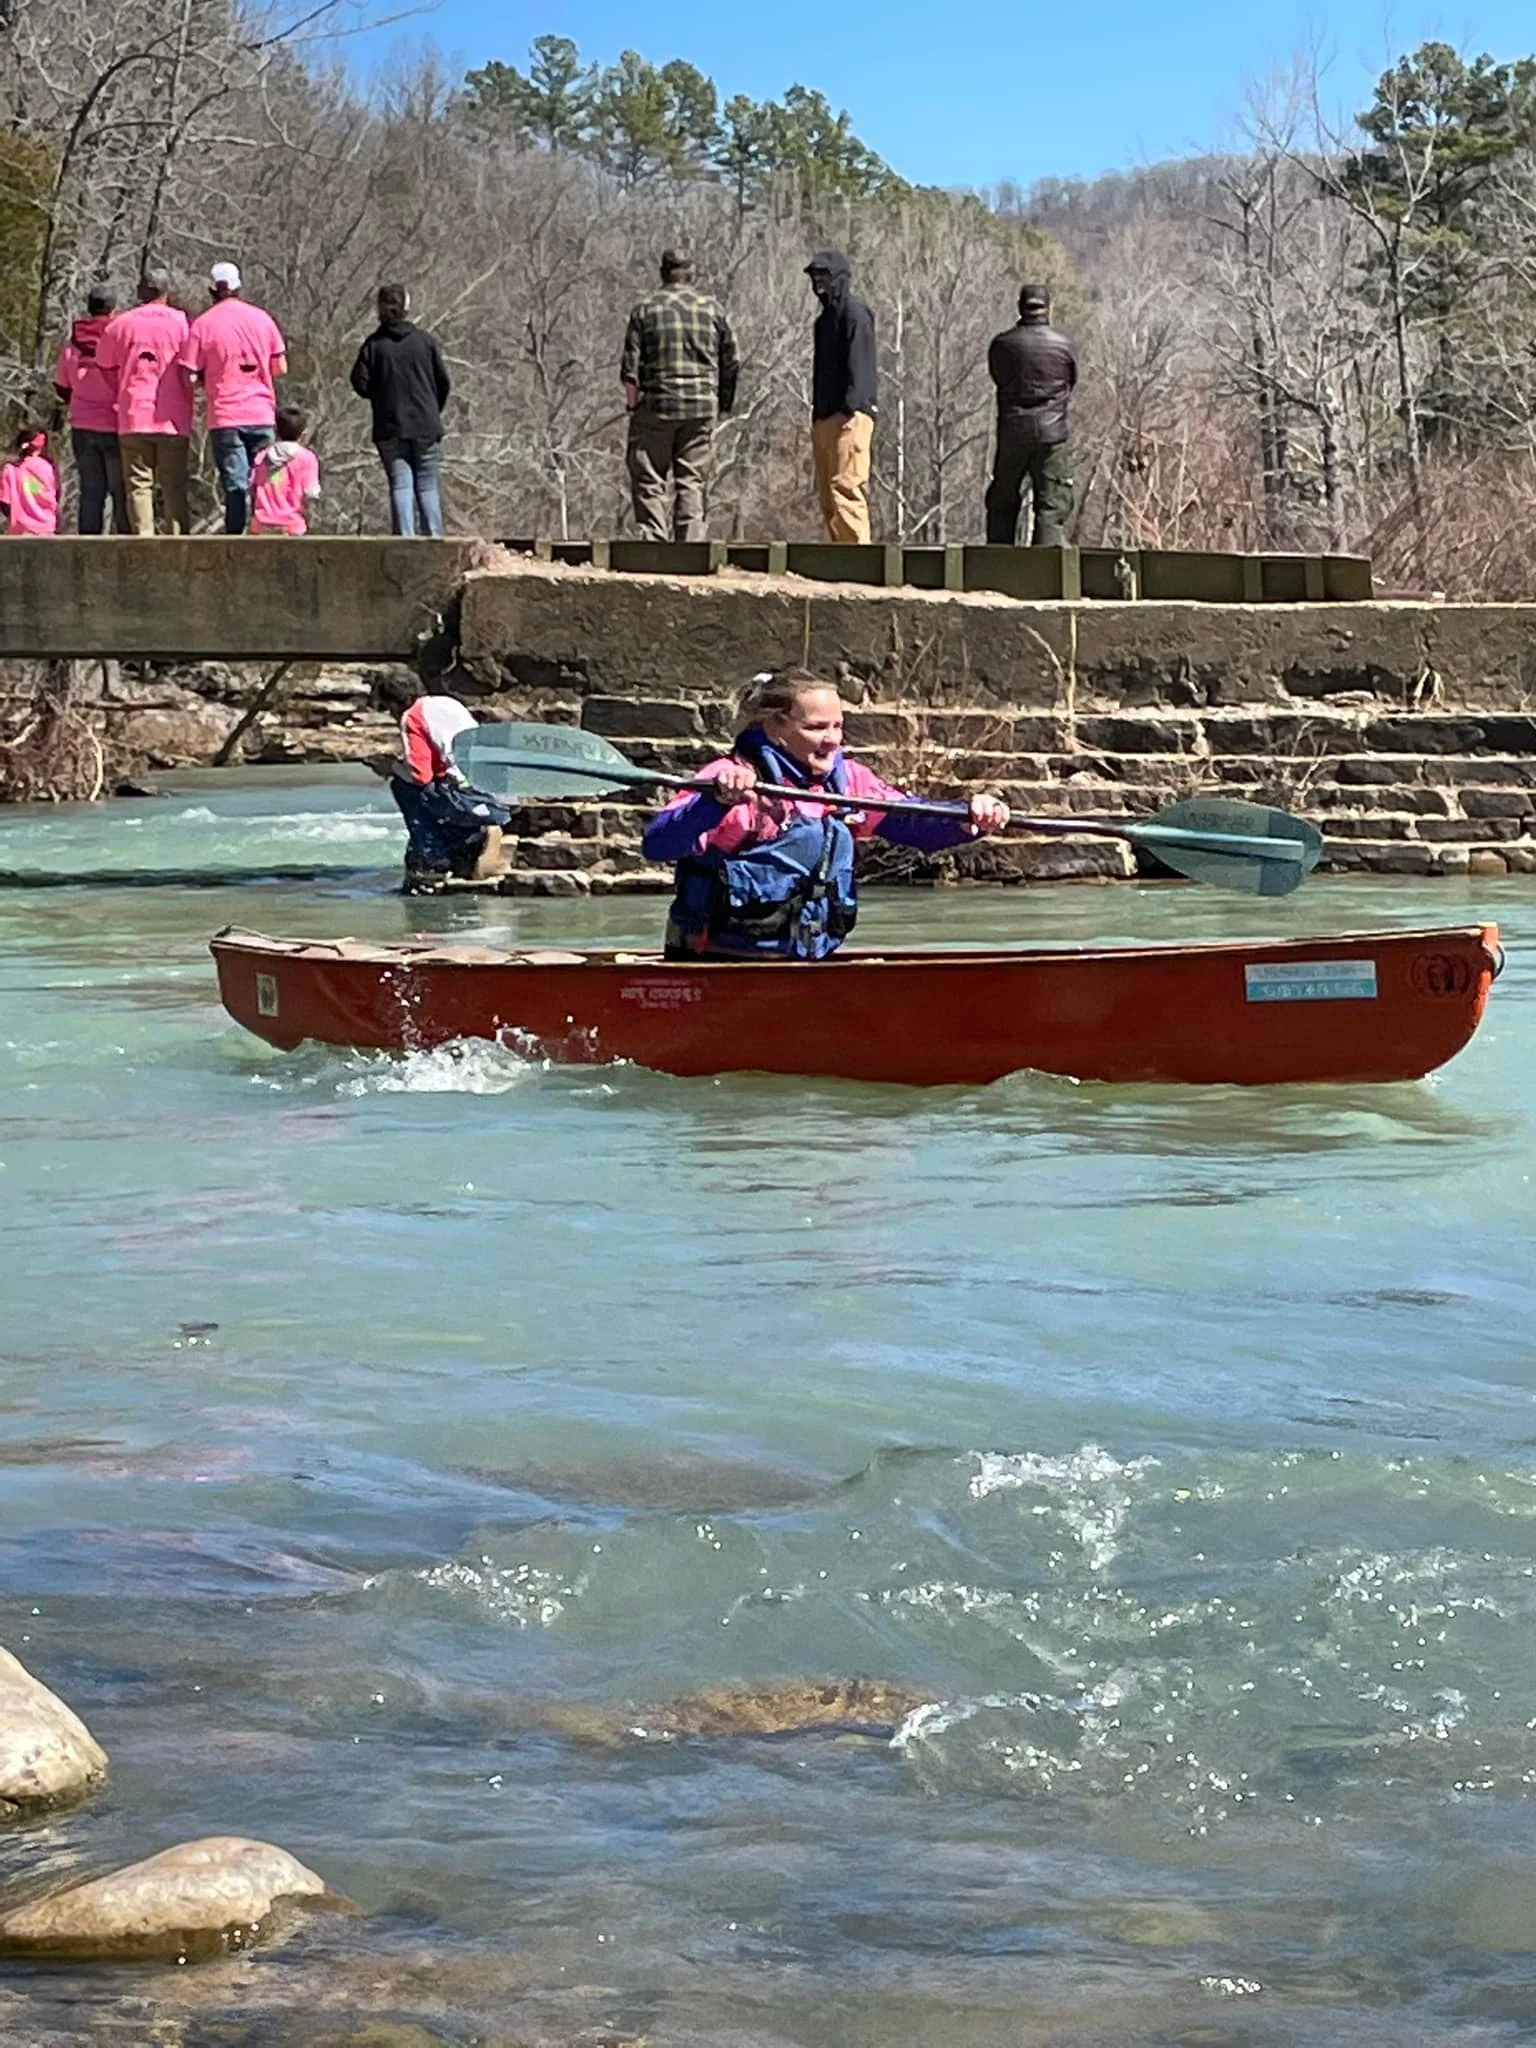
1405, 730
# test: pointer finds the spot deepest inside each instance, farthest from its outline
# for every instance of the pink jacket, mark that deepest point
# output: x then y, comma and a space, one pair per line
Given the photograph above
141, 350
286, 477
81, 374
239, 354
695, 822
29, 495
763, 817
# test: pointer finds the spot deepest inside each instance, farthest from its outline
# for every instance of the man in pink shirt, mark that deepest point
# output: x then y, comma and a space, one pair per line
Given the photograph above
80, 378
238, 353
141, 352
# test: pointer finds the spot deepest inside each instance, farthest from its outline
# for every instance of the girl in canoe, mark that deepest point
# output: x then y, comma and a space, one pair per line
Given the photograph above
761, 872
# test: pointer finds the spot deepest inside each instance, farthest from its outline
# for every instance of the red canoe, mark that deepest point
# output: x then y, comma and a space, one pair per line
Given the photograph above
1371, 1006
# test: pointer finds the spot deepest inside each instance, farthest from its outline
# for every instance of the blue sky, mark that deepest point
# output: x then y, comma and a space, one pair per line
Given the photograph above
970, 95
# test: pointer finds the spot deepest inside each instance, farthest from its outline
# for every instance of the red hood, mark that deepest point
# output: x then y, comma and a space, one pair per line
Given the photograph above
87, 331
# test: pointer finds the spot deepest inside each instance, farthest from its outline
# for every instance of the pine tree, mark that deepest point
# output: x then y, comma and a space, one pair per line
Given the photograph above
550, 106
1436, 133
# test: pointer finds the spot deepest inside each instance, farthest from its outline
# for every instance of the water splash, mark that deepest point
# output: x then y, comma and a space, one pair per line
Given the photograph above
466, 1066
522, 1595
1096, 1491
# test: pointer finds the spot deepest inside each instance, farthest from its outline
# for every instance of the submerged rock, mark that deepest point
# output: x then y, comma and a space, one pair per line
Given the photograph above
827, 1706
47, 1754
682, 1482
201, 1898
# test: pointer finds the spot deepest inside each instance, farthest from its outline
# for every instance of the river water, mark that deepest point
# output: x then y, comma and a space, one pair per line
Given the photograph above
361, 1418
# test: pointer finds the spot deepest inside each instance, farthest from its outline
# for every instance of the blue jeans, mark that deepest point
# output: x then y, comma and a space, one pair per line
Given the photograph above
414, 469
234, 450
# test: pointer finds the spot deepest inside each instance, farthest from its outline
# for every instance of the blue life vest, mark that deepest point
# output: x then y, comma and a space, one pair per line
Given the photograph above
791, 897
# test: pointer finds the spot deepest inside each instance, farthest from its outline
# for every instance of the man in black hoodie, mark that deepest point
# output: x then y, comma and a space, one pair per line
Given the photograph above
842, 397
1035, 372
400, 371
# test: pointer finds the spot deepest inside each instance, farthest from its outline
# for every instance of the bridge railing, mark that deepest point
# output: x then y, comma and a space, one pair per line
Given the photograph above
1031, 573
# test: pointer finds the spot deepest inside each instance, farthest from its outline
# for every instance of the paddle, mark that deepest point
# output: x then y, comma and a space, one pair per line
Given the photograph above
1219, 840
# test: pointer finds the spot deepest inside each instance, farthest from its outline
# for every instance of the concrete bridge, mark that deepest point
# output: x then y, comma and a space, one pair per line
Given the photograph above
226, 599
363, 600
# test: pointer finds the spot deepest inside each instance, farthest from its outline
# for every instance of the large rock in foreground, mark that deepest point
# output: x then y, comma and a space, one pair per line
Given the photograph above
47, 1754
199, 1899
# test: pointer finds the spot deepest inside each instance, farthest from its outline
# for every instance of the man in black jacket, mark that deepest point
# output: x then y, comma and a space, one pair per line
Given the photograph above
400, 371
842, 397
1035, 372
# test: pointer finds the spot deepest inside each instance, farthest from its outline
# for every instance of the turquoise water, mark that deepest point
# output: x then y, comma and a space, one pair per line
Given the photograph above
1177, 1448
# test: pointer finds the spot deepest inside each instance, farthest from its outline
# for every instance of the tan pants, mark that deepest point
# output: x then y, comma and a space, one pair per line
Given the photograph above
842, 474
149, 459
665, 455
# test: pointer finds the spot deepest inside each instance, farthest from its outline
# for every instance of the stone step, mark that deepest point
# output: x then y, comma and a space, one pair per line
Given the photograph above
556, 852
1497, 786
1259, 730
517, 881
1004, 859
1411, 825
1398, 857
562, 837
1446, 771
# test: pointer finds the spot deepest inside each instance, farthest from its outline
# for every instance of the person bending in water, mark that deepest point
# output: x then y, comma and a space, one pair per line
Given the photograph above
762, 874
453, 829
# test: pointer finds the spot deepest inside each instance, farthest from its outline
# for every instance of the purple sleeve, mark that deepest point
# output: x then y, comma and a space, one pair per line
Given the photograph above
928, 835
671, 834
903, 828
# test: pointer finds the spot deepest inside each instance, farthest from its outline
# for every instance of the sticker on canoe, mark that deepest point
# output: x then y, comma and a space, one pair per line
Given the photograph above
266, 995
1311, 981
661, 995
1440, 974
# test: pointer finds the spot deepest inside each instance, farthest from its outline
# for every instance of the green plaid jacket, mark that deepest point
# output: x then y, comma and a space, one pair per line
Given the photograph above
680, 351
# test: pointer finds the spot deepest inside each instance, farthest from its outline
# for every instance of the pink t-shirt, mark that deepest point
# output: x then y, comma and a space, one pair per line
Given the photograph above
141, 349
29, 495
80, 372
239, 353
285, 477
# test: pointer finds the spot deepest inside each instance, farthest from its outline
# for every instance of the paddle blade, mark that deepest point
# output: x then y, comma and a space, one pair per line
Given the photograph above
520, 760
1251, 848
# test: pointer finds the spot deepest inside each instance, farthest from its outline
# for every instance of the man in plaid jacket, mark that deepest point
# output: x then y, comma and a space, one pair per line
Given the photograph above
679, 376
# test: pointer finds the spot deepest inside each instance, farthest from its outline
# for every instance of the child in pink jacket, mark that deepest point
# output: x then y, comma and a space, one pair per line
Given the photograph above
29, 486
285, 477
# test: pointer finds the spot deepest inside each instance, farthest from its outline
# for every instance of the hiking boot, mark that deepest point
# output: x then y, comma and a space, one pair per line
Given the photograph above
420, 878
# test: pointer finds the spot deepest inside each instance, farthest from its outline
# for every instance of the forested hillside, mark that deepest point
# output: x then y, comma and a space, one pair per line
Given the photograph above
1328, 340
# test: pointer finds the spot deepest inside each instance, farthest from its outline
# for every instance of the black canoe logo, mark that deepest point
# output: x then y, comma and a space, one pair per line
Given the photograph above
1441, 974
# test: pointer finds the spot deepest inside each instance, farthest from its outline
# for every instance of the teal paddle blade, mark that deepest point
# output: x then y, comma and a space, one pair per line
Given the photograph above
521, 760
1252, 848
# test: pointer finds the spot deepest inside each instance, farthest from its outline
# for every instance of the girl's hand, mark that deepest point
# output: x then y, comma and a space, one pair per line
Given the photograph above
734, 781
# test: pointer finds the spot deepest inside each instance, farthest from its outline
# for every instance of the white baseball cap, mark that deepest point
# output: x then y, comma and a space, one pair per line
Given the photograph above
225, 274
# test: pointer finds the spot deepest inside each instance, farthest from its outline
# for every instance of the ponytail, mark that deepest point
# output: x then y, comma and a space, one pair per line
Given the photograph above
775, 693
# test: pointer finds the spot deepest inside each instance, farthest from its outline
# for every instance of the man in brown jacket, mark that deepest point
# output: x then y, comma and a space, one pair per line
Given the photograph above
679, 373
